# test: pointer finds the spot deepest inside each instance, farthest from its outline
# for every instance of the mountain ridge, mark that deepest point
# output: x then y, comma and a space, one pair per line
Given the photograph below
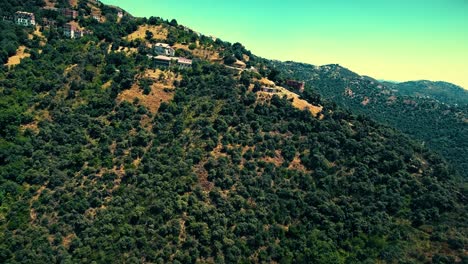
109, 157
426, 119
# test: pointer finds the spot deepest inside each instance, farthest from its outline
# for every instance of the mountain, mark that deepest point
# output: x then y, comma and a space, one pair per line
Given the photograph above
108, 155
439, 124
442, 91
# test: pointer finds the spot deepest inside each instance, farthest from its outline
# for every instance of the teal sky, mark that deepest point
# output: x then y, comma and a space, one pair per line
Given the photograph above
387, 39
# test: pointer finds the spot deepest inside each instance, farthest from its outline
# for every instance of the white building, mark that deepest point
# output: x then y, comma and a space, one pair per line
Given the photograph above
69, 30
184, 63
163, 49
25, 19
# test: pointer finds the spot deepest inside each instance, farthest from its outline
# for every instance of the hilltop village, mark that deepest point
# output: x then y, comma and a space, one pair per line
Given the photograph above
156, 41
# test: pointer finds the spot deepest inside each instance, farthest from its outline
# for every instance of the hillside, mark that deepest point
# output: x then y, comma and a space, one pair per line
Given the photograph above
107, 156
442, 91
439, 124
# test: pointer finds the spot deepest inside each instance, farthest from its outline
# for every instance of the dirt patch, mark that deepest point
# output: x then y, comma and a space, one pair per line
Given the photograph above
106, 85
297, 165
16, 59
297, 102
366, 101
202, 176
73, 3
66, 241
69, 69
49, 3
31, 126
128, 50
32, 212
162, 90
216, 152
183, 234
146, 123
304, 105
277, 159
201, 52
266, 82
39, 35
38, 117
159, 32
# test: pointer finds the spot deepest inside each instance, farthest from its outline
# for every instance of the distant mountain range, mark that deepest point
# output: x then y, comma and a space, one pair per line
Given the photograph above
435, 113
441, 91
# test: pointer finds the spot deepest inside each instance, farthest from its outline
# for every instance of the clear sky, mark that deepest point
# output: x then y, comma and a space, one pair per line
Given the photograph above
395, 40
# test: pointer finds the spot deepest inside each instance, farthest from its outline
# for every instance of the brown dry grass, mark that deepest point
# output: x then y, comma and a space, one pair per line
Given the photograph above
38, 117
304, 105
159, 32
297, 165
162, 90
202, 176
266, 82
66, 241
69, 69
31, 126
73, 3
200, 52
106, 85
128, 50
39, 34
75, 24
182, 233
146, 123
32, 212
277, 159
49, 3
16, 59
216, 152
297, 102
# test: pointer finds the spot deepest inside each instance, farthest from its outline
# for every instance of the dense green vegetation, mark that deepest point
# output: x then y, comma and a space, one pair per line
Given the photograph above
442, 91
440, 124
214, 176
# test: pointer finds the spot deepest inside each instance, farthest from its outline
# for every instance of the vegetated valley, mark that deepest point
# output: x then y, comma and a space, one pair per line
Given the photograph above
108, 156
434, 113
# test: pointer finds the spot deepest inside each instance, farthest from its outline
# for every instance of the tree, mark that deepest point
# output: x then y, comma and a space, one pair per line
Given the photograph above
173, 23
192, 46
148, 35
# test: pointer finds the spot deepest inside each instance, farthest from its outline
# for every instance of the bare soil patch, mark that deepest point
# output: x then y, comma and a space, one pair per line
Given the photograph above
73, 3
201, 52
162, 90
159, 32
16, 59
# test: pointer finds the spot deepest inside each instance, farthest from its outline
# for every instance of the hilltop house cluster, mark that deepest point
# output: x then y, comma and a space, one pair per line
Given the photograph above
66, 12
21, 18
72, 31
166, 56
